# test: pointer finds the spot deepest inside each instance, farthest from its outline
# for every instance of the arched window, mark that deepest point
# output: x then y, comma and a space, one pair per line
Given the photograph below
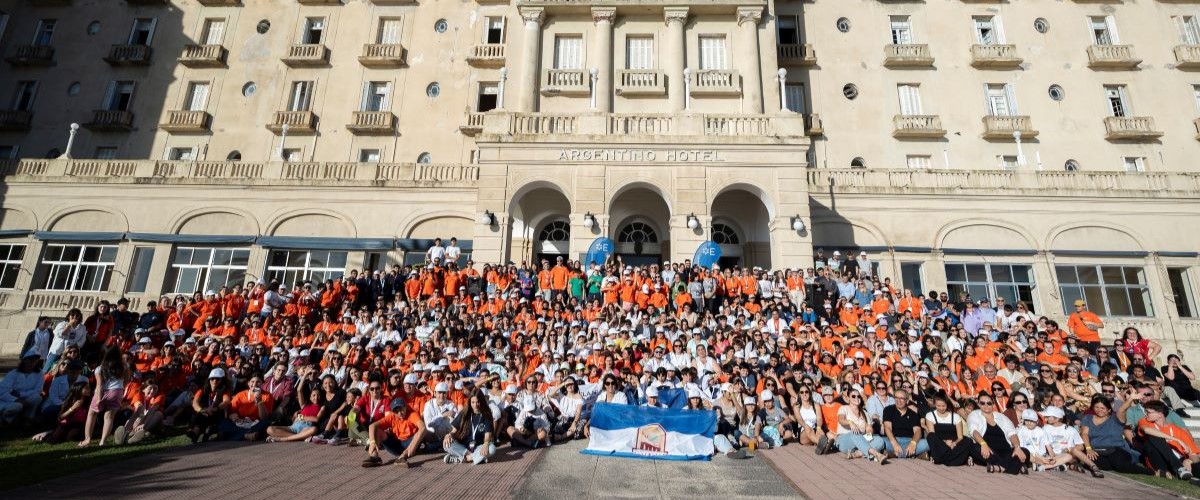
637, 232
234, 155
722, 234
555, 231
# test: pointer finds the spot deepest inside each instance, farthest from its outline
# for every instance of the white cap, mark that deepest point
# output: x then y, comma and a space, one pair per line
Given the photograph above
652, 392
442, 363
417, 367
749, 400
694, 392
597, 346
860, 355
835, 252
512, 389
766, 395
441, 387
1029, 414
451, 350
1052, 411
848, 362
410, 379
208, 293
458, 385
144, 340
216, 373
864, 252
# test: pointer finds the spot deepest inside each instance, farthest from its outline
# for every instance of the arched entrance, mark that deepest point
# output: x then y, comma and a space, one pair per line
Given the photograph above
540, 224
740, 225
553, 241
639, 224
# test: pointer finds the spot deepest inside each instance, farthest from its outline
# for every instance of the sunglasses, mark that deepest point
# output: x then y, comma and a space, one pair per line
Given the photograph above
374, 388
985, 403
1021, 402
855, 397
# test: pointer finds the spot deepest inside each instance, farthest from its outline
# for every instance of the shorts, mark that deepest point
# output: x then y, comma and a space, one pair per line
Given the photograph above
108, 400
299, 426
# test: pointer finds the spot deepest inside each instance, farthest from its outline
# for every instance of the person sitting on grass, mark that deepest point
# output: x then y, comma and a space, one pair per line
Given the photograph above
209, 406
471, 436
67, 375
71, 416
147, 415
21, 391
249, 413
400, 432
304, 422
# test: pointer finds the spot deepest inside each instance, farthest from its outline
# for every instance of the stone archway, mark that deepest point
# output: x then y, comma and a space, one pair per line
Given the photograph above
639, 224
746, 214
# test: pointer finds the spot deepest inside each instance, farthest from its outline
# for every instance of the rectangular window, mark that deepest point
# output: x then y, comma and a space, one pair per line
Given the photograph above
910, 99
375, 96
489, 97
85, 268
911, 277
293, 266
1108, 290
1000, 100
1189, 29
301, 96
389, 31
1182, 292
8, 152
44, 33
1134, 164
712, 52
314, 29
181, 154
143, 31
106, 153
293, 154
919, 161
368, 155
639, 52
495, 30
197, 269
788, 29
139, 275
902, 33
988, 30
1014, 282
23, 97
568, 52
1008, 162
1103, 29
794, 97
119, 96
1118, 100
11, 257
1196, 96
197, 96
214, 31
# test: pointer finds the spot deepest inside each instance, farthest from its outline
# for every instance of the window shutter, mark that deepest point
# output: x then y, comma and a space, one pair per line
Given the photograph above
998, 28
1125, 100
987, 100
365, 100
150, 34
199, 97
1111, 22
389, 32
109, 95
386, 91
1010, 95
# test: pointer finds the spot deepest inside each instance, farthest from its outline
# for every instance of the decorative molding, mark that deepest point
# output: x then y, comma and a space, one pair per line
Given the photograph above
749, 14
675, 15
604, 14
533, 14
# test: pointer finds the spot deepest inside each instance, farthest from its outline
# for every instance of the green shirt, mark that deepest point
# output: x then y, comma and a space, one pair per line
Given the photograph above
576, 286
593, 283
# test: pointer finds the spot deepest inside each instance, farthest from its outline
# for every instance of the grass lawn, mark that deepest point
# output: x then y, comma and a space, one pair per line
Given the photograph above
1173, 485
26, 462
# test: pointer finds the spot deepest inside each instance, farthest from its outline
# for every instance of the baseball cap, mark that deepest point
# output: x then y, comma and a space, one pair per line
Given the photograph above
1029, 414
1052, 411
216, 373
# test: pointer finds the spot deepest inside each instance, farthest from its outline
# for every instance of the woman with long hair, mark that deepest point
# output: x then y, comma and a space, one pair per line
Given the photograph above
854, 433
209, 406
71, 417
111, 377
472, 436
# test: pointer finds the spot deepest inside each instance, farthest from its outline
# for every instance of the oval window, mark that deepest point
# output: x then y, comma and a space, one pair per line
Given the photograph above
264, 26
1056, 92
93, 27
433, 90
73, 88
850, 91
843, 25
1041, 25
440, 26
249, 89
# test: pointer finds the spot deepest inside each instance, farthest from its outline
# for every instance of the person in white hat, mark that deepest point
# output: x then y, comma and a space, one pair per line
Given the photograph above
439, 413
1034, 439
212, 399
531, 427
776, 422
652, 398
1066, 444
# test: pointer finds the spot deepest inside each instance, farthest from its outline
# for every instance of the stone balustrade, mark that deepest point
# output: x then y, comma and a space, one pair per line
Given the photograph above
234, 172
549, 127
1089, 184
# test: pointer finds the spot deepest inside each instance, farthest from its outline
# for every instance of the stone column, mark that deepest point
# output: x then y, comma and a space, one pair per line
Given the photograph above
747, 19
674, 55
532, 56
604, 17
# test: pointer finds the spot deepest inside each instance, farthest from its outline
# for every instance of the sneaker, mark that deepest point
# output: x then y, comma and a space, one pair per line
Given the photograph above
120, 435
318, 440
822, 445
137, 436
1185, 474
337, 442
452, 459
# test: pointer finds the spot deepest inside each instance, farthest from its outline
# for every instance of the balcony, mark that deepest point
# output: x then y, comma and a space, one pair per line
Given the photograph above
1187, 57
1112, 57
307, 56
15, 120
220, 3
797, 54
1003, 127
813, 125
486, 55
319, 2
1002, 56
473, 126
917, 127
298, 122
185, 122
1130, 128
372, 123
911, 55
566, 82
203, 56
716, 82
641, 82
146, 2
394, 2
32, 55
113, 121
634, 127
382, 55
129, 55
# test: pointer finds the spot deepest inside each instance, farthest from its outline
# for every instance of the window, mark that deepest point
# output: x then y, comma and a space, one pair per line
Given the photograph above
143, 31
722, 234
1196, 96
292, 154
1056, 92
1008, 162
495, 30
440, 26
198, 269
1118, 100
44, 33
234, 155
843, 25
139, 274
181, 154
433, 90
8, 152
555, 231
712, 52
1189, 29
424, 158
637, 232
639, 52
249, 89
1041, 25
1071, 166
11, 257
368, 155
910, 277
314, 28
106, 153
1104, 30
850, 91
788, 30
294, 266
489, 97
214, 31
23, 97
1181, 290
1014, 282
118, 96
84, 268
858, 162
1000, 100
301, 97
793, 96
375, 96
263, 27
568, 52
918, 161
902, 33
197, 96
1108, 290
389, 31
910, 99
1134, 164
988, 30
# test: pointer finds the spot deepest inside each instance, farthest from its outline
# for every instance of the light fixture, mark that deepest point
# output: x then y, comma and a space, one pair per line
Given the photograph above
693, 222
797, 224
589, 220
488, 218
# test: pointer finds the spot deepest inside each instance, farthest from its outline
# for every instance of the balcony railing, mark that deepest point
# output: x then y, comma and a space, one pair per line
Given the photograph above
797, 54
474, 124
307, 55
911, 55
1131, 128
382, 55
184, 121
298, 122
15, 120
566, 82
103, 119
917, 126
319, 2
32, 55
203, 56
1112, 57
372, 123
244, 172
995, 56
1187, 57
716, 82
1084, 184
703, 128
641, 82
487, 55
129, 55
220, 3
1003, 127
640, 125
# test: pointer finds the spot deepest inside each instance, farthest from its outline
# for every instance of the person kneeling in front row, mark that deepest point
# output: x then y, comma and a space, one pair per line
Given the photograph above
471, 435
399, 432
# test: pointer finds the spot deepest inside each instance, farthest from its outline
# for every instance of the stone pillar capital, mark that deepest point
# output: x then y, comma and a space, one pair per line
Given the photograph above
675, 15
533, 14
604, 14
749, 14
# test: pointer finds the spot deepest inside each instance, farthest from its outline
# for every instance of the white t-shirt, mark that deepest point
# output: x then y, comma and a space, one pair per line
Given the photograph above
1034, 440
1062, 438
848, 412
436, 252
452, 253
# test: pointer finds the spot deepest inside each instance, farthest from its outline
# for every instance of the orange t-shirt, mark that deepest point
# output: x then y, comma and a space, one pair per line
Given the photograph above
401, 428
243, 405
1175, 432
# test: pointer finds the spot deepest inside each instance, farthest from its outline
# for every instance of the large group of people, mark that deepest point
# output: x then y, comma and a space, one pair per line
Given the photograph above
456, 359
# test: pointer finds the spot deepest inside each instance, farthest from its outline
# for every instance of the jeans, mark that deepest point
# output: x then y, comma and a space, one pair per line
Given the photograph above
922, 447
460, 450
394, 445
228, 431
850, 442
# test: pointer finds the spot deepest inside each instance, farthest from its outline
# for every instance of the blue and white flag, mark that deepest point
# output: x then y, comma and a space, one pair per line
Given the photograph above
707, 254
656, 433
599, 251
